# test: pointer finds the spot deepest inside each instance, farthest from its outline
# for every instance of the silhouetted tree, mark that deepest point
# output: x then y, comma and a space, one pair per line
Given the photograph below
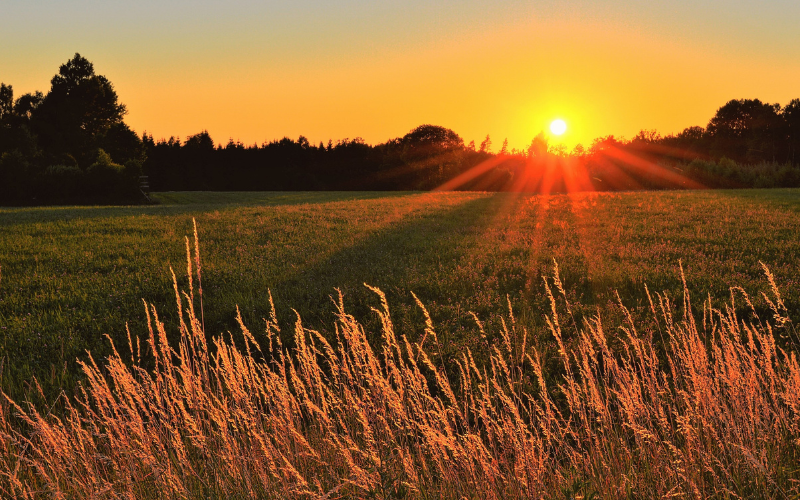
77, 112
504, 148
50, 143
647, 137
432, 139
429, 156
6, 100
27, 104
791, 115
199, 142
746, 130
16, 177
486, 145
692, 133
19, 154
122, 143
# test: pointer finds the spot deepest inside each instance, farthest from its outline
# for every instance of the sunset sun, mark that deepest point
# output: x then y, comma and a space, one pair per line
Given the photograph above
558, 127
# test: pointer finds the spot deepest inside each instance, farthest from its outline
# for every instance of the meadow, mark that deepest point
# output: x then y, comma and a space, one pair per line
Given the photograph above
510, 350
69, 275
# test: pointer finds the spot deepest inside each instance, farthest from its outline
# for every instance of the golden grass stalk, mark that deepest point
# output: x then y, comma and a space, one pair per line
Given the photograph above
715, 413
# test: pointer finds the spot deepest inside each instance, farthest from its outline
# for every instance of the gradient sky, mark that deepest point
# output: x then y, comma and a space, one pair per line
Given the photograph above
256, 71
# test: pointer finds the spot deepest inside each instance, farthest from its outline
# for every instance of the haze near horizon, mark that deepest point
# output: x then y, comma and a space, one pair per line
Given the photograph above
254, 71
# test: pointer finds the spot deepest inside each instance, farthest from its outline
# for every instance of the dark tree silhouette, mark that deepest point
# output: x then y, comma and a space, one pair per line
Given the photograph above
78, 111
6, 100
504, 148
486, 145
201, 142
747, 130
791, 115
69, 145
429, 139
27, 104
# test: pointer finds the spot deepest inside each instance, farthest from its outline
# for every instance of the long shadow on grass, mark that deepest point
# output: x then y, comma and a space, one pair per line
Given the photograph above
787, 199
413, 255
96, 265
455, 261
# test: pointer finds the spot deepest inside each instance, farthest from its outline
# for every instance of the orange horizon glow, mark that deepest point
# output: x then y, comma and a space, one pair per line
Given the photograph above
255, 72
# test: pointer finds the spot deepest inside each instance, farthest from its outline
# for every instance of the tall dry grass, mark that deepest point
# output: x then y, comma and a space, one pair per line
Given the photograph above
704, 407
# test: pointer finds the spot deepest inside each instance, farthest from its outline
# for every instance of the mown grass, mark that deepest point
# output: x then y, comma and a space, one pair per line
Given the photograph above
68, 275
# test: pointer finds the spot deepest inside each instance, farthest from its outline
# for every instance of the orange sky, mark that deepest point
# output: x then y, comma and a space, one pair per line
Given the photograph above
256, 71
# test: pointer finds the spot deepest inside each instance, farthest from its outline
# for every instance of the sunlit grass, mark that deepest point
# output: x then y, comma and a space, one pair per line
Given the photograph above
701, 405
71, 274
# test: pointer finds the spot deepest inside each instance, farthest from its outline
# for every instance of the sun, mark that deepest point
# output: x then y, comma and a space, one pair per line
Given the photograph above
558, 127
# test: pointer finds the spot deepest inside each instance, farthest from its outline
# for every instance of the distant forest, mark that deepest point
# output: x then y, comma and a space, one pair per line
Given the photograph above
72, 145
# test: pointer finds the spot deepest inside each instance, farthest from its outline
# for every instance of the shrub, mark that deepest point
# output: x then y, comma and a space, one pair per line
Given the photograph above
727, 173
15, 178
111, 182
62, 183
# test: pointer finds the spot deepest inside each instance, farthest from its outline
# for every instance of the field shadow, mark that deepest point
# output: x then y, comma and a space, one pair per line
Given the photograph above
787, 199
410, 255
271, 198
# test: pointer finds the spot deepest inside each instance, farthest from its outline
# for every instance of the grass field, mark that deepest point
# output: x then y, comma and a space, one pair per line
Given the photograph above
68, 275
572, 394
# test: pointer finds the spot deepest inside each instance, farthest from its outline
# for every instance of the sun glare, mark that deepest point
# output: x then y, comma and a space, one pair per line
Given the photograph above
558, 127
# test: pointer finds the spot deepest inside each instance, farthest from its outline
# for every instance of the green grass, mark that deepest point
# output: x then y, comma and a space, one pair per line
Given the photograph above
71, 274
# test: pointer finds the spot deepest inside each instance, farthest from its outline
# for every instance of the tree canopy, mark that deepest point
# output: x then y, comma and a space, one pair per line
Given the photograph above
433, 137
747, 130
79, 119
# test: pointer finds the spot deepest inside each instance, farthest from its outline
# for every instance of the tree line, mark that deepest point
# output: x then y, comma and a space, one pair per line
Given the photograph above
72, 145
747, 143
423, 159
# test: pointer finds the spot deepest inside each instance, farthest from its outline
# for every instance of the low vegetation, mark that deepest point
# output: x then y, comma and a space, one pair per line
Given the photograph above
698, 403
70, 275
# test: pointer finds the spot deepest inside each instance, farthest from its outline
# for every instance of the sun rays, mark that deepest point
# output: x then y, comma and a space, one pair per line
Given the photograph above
607, 166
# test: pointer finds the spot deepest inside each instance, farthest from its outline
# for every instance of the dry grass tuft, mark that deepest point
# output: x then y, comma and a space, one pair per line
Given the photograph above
714, 413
